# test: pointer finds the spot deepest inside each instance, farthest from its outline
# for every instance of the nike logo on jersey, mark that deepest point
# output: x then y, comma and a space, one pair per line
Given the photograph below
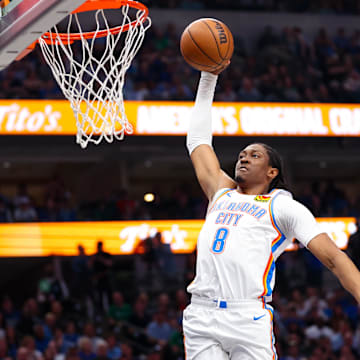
258, 317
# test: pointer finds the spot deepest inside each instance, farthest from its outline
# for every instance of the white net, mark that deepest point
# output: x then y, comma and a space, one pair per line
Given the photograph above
91, 73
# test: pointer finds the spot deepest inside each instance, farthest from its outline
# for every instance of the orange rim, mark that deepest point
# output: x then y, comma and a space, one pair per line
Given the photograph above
93, 5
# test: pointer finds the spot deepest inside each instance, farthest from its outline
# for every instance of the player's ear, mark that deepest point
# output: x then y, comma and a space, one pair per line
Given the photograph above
273, 172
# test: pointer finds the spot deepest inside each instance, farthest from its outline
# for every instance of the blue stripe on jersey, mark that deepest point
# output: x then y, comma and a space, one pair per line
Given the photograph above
283, 238
269, 277
275, 357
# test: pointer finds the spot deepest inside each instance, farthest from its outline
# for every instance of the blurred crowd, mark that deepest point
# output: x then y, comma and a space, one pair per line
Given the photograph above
87, 315
284, 66
317, 6
58, 203
86, 308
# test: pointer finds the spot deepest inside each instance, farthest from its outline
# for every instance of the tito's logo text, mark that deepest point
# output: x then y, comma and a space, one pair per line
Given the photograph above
16, 119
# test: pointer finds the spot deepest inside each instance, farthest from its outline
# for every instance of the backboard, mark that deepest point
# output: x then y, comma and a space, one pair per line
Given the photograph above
22, 22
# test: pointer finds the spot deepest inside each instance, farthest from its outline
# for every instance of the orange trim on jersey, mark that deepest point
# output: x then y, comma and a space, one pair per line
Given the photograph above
263, 302
279, 240
274, 225
272, 337
272, 342
184, 347
266, 281
220, 196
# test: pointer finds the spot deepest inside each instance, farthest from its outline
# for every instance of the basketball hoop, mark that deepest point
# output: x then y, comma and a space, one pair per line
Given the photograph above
91, 80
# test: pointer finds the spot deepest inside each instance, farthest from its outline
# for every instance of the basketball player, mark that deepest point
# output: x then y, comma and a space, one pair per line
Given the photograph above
251, 219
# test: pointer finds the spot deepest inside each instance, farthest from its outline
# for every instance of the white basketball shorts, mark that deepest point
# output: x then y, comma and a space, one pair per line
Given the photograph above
222, 330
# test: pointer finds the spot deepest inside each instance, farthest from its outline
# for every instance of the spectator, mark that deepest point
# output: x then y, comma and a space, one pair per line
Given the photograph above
3, 348
248, 92
49, 325
139, 316
85, 349
181, 301
114, 351
25, 212
146, 251
227, 93
12, 341
29, 316
28, 342
10, 314
71, 336
22, 353
50, 352
165, 259
102, 350
72, 354
119, 310
41, 341
159, 329
341, 41
90, 334
5, 214
101, 263
81, 279
22, 195
127, 352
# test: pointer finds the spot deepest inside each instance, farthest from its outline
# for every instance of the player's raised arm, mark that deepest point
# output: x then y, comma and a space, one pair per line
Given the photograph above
199, 140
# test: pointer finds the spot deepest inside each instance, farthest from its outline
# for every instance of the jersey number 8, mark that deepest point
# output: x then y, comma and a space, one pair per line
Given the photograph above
219, 241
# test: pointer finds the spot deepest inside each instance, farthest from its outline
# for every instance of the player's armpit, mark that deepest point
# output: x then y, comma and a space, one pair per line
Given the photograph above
338, 262
208, 171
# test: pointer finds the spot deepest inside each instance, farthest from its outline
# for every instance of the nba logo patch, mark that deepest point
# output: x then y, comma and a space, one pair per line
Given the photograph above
262, 198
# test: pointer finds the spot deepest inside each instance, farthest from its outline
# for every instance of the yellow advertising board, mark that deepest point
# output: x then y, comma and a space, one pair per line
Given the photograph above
55, 117
122, 237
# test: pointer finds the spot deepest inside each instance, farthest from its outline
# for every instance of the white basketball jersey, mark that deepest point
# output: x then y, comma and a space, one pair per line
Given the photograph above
237, 247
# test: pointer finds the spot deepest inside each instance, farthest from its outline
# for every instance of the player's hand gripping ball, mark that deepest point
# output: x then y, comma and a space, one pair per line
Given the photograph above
207, 45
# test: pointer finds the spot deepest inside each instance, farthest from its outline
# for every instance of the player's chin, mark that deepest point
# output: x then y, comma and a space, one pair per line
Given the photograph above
239, 178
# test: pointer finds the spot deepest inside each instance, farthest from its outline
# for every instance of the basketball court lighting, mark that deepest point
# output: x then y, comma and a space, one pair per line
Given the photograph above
149, 197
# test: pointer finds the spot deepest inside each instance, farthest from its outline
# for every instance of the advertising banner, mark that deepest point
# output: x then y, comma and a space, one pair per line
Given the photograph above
123, 237
55, 117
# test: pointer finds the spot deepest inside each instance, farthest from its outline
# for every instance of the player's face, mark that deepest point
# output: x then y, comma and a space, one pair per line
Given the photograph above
253, 166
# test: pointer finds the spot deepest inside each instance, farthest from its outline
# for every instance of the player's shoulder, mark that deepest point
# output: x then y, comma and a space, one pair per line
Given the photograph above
281, 197
282, 200
274, 193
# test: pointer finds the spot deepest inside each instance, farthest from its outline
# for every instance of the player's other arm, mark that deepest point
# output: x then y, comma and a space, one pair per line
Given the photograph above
199, 139
296, 221
338, 262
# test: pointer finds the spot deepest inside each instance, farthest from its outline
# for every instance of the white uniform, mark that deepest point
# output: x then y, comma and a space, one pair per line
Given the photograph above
237, 247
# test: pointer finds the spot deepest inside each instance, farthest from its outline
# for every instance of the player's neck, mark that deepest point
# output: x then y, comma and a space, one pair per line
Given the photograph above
256, 189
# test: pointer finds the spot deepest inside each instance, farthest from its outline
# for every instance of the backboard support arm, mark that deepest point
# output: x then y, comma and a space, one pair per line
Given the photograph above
27, 22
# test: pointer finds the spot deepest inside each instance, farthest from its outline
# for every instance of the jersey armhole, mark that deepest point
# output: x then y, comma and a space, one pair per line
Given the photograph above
273, 217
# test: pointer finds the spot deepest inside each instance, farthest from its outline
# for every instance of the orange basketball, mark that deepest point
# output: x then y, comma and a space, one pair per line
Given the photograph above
207, 44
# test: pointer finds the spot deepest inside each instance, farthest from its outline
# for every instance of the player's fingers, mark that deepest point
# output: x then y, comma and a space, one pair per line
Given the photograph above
221, 68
